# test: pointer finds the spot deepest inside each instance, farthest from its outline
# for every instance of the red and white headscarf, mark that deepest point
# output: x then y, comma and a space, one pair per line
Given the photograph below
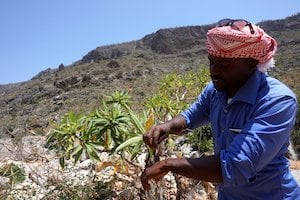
228, 42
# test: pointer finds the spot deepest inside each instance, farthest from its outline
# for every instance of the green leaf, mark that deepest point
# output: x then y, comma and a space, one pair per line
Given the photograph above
96, 145
92, 153
129, 142
137, 123
100, 121
62, 162
76, 154
136, 150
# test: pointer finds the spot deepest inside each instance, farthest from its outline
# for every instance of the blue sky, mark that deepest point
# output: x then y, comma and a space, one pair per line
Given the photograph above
40, 34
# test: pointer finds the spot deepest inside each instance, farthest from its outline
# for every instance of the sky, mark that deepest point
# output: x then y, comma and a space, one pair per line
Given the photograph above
40, 34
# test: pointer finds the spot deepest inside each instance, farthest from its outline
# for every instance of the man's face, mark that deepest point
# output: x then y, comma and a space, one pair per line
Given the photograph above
229, 74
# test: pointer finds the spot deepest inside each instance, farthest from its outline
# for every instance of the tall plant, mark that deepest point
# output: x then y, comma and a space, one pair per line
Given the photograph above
115, 127
106, 128
73, 136
175, 93
111, 125
133, 146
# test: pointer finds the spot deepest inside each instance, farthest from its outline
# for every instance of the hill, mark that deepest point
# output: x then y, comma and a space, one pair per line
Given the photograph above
135, 66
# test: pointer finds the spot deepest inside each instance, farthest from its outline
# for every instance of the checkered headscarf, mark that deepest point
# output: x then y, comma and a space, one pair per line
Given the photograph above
231, 42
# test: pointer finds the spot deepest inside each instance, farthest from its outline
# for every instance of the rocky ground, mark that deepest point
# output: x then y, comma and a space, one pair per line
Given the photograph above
112, 178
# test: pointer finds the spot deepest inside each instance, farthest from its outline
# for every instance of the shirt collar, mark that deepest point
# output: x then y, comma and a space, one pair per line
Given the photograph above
248, 92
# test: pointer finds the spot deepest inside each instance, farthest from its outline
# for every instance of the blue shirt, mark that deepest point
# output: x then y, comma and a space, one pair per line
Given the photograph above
251, 135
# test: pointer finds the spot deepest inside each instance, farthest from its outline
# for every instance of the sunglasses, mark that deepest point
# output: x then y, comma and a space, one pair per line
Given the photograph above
238, 24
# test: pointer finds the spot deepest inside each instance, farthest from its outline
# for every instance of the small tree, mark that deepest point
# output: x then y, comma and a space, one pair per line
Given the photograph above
176, 93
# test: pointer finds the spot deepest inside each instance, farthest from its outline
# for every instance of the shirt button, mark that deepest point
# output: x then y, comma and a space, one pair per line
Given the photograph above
222, 130
225, 110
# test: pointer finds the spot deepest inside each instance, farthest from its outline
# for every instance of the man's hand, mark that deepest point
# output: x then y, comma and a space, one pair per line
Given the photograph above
156, 135
152, 138
205, 168
156, 172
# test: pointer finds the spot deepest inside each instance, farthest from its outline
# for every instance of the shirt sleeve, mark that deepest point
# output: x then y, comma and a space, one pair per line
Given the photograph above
261, 139
198, 113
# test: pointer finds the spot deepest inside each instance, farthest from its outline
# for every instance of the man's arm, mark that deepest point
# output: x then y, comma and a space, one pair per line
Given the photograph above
206, 168
262, 139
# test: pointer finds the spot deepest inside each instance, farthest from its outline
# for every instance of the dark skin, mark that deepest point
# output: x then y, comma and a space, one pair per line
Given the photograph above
227, 74
230, 74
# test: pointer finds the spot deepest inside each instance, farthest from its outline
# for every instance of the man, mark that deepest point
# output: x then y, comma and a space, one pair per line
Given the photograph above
251, 115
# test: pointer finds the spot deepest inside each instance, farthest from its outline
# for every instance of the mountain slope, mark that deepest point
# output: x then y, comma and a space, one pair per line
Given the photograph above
135, 66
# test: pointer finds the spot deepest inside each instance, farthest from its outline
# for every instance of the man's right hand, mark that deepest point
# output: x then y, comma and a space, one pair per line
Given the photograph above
158, 133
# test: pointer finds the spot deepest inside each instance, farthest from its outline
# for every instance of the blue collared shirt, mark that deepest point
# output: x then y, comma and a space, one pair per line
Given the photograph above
251, 135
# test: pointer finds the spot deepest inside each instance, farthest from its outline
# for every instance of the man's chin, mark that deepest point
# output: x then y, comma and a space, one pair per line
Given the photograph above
219, 86
219, 89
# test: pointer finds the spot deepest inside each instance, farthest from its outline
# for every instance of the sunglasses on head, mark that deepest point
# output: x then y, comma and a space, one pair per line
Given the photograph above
235, 23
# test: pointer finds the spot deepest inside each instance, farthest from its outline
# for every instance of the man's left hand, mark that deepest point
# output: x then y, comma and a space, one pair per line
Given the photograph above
156, 172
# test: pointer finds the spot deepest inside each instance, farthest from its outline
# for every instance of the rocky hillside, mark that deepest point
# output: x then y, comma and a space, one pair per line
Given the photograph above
135, 66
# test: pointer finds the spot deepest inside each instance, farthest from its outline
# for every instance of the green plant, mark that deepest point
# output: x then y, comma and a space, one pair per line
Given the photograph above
176, 92
131, 141
201, 139
74, 135
111, 124
13, 172
134, 144
108, 126
119, 97
116, 127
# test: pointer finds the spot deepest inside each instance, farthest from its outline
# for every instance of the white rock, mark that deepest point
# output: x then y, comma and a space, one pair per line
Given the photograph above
141, 159
4, 182
87, 164
186, 150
